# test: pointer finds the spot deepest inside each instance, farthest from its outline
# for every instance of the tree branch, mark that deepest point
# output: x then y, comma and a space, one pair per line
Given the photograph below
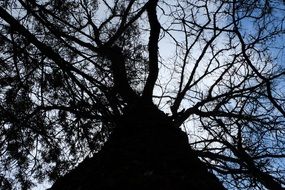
153, 51
118, 68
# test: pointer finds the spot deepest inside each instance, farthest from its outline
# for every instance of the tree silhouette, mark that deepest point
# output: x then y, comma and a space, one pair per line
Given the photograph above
142, 94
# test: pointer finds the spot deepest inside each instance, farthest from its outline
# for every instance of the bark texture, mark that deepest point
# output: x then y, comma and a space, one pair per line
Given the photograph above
144, 152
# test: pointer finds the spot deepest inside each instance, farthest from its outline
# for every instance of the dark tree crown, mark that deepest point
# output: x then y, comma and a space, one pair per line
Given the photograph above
69, 70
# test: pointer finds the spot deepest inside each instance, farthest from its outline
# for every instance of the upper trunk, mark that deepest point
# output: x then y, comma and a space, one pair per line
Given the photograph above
144, 152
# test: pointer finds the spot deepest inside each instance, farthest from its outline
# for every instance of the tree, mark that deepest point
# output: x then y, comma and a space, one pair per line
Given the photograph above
114, 82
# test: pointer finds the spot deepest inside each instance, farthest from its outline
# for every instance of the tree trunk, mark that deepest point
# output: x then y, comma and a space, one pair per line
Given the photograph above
144, 152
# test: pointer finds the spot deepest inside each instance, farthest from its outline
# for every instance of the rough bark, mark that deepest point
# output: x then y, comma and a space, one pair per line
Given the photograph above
144, 152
